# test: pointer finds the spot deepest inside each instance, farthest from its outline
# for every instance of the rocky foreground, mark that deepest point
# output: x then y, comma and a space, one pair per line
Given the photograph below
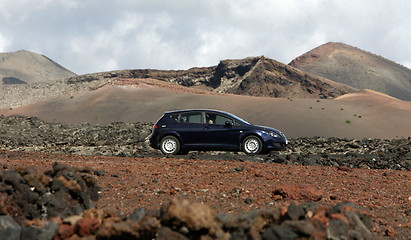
60, 204
18, 133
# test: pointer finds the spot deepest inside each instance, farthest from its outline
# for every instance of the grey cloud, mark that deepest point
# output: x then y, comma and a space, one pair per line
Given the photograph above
92, 36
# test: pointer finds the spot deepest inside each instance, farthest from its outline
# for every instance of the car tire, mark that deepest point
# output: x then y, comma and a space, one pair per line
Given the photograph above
169, 145
252, 145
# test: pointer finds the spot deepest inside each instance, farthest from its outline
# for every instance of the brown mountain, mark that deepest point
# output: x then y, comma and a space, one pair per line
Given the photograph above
28, 67
254, 76
355, 67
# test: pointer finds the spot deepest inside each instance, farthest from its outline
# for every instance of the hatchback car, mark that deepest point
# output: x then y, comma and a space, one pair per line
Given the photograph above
178, 132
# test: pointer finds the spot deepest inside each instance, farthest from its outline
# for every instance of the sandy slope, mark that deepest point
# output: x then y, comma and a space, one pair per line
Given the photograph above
357, 115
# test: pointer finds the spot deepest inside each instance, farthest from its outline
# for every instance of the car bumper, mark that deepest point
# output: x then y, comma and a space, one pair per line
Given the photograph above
275, 144
153, 141
278, 146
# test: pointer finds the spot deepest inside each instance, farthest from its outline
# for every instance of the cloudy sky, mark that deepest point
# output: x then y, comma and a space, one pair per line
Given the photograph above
87, 36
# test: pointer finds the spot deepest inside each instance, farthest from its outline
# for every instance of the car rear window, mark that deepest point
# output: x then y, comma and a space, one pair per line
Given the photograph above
175, 117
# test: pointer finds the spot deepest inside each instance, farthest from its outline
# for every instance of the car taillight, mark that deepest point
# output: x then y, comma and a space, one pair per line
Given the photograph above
155, 126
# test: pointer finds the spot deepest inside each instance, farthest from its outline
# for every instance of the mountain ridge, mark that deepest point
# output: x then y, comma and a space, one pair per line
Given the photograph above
254, 76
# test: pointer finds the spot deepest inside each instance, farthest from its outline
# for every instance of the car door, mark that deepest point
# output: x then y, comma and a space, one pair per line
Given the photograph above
190, 128
218, 134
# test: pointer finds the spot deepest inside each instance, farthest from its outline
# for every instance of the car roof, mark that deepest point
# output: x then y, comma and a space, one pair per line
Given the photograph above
197, 110
207, 110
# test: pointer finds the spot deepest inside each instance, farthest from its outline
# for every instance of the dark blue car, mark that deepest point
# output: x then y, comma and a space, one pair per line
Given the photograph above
178, 132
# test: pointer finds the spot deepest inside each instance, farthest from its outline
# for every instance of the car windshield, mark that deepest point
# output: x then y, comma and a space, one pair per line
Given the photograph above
238, 119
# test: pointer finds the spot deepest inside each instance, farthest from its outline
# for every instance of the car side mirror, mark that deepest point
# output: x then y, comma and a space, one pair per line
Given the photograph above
228, 124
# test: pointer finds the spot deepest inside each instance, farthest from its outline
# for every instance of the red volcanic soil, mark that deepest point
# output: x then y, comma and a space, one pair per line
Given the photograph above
235, 187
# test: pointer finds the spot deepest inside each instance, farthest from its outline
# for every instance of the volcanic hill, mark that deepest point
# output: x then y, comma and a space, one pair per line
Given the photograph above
27, 67
253, 76
355, 67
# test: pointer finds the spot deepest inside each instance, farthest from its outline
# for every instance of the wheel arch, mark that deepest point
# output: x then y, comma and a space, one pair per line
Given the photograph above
170, 133
248, 134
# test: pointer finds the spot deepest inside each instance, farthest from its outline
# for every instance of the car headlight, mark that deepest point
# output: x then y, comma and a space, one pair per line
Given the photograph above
273, 134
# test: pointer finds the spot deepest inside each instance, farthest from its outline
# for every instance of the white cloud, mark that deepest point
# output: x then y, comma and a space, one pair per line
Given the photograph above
4, 43
70, 4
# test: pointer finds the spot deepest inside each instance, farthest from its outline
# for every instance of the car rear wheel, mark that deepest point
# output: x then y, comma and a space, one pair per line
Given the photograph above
252, 145
169, 145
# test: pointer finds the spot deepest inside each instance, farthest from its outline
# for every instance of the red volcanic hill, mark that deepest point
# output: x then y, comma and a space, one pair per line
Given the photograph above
360, 69
269, 78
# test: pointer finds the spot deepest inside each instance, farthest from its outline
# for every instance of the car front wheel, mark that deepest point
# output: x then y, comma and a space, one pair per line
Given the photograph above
252, 145
169, 145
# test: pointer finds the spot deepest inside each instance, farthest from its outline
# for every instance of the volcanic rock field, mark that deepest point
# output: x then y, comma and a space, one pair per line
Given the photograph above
131, 140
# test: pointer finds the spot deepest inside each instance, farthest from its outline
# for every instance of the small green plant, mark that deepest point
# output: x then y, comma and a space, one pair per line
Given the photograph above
348, 122
318, 100
71, 97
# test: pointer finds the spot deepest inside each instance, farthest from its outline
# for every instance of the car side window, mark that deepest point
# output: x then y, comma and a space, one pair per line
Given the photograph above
221, 120
212, 118
190, 117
